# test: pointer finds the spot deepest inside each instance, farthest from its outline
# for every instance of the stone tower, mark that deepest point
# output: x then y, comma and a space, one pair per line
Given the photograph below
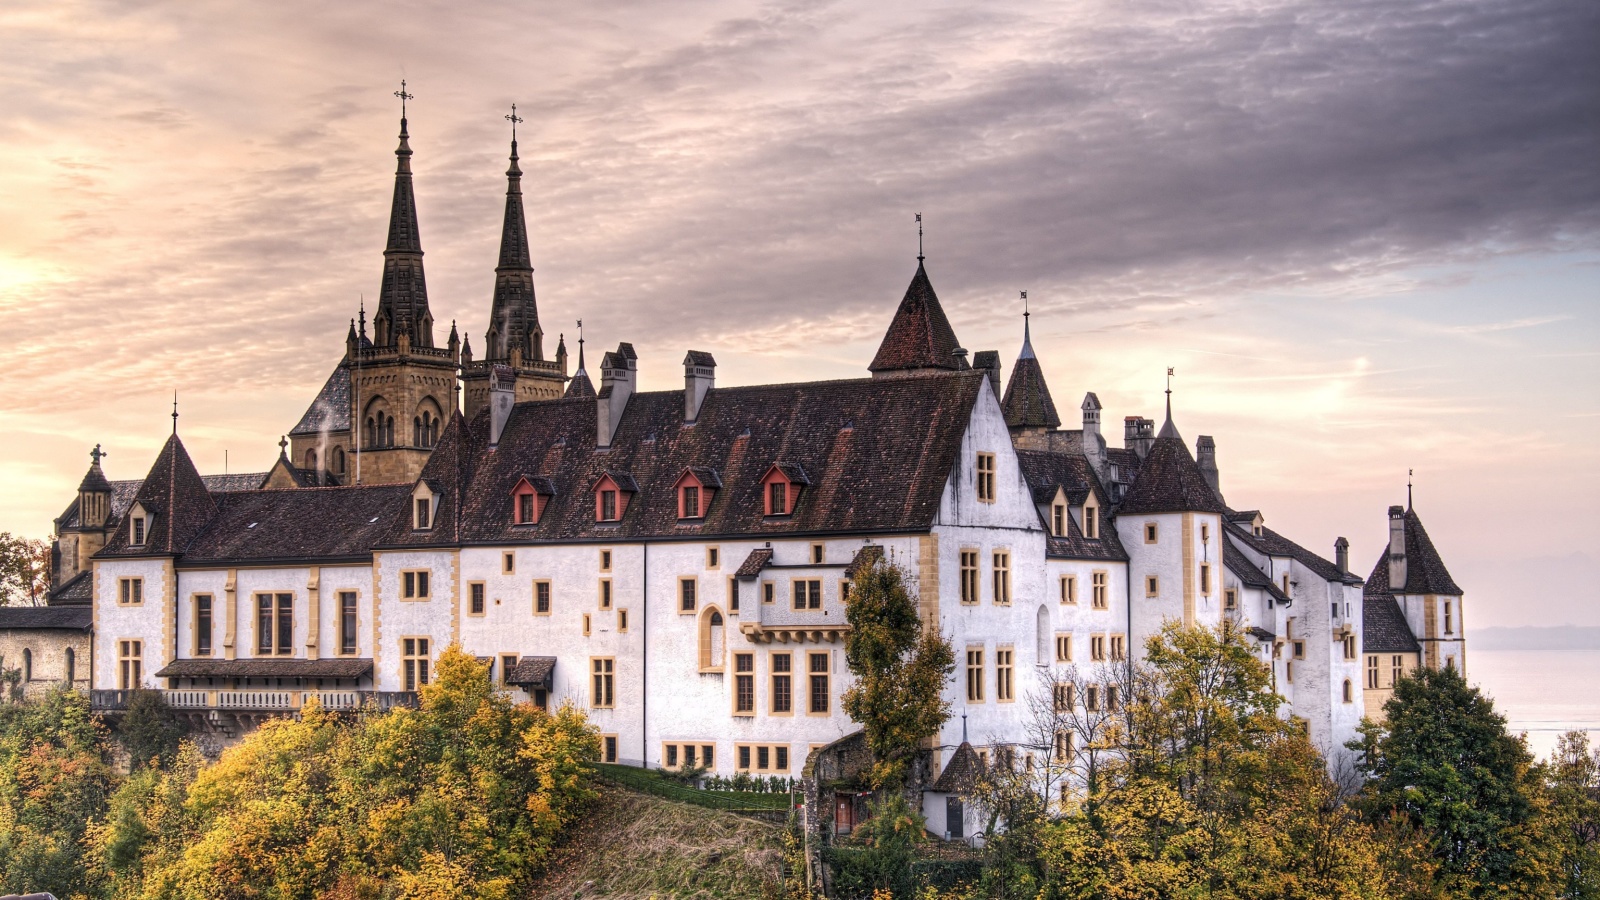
402, 387
514, 339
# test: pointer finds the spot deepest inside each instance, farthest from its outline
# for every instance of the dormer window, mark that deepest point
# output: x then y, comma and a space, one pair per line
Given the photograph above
1058, 520
424, 506
138, 525
695, 489
608, 506
1091, 519
529, 498
424, 518
138, 530
781, 488
611, 496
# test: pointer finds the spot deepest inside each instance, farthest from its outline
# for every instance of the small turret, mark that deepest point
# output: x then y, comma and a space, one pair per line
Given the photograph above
1205, 453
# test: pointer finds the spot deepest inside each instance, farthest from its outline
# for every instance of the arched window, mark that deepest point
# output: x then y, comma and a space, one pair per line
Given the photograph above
1349, 694
27, 664
1042, 636
712, 640
338, 460
418, 438
72, 666
370, 439
311, 459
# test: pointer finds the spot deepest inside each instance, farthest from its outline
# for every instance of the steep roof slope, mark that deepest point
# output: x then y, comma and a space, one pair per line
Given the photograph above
919, 335
176, 496
299, 523
1169, 480
1425, 570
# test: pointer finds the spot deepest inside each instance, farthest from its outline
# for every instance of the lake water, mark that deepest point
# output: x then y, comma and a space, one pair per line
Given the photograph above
1542, 693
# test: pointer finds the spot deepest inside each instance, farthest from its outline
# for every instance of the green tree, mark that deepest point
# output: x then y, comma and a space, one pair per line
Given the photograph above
1574, 775
149, 730
24, 570
1442, 761
900, 670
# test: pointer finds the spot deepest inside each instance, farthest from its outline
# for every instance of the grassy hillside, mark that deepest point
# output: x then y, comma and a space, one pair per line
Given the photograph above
635, 847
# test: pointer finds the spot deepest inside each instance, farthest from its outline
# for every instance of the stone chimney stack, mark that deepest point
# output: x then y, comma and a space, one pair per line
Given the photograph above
988, 362
502, 396
699, 376
1094, 444
1397, 548
618, 371
1341, 555
1205, 454
1138, 433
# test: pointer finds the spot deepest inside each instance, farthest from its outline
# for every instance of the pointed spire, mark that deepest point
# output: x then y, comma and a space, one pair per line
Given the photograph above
1169, 430
919, 337
580, 385
1027, 402
514, 313
174, 413
404, 294
1027, 337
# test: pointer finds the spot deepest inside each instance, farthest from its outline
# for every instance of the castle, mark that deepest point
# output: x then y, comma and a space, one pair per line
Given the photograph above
677, 563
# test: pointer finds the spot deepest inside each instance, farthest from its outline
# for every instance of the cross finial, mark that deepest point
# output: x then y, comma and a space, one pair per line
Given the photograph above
514, 119
283, 445
97, 454
403, 97
919, 237
174, 412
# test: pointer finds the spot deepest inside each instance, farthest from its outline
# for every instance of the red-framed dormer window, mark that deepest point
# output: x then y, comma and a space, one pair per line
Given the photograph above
780, 489
528, 500
694, 489
610, 499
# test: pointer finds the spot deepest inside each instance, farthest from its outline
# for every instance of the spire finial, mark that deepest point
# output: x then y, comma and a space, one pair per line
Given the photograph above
97, 454
515, 120
1409, 473
1170, 373
174, 412
919, 237
1027, 335
283, 446
403, 98
963, 724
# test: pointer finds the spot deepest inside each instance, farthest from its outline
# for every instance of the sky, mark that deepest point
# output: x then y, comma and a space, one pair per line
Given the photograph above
1365, 233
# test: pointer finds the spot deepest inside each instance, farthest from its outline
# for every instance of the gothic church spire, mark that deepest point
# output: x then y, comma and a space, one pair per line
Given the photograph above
403, 298
514, 315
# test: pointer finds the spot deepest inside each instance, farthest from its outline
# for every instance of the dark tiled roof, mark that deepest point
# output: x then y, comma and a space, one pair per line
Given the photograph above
919, 336
176, 496
1271, 543
863, 560
886, 472
1170, 480
1246, 571
227, 484
1425, 571
123, 492
449, 471
1048, 471
331, 409
961, 773
267, 668
1260, 634
300, 523
56, 618
78, 591
754, 563
1384, 628
94, 479
1027, 402
699, 358
533, 671
580, 388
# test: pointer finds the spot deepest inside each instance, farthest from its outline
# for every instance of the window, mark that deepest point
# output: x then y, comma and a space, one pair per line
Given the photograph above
1112, 697
605, 560
1205, 533
1063, 749
1058, 520
1299, 649
1349, 646
686, 595
1286, 583
541, 598
807, 593
1230, 599
1288, 671
424, 514
1152, 586
1002, 675
1097, 647
604, 670
1063, 648
1397, 669
692, 756
713, 557
969, 576
622, 621
130, 591
585, 624
72, 665
508, 662
274, 624
816, 554
1069, 589
138, 531
1091, 520
414, 585
1002, 578
475, 598
1064, 696
713, 640
733, 594
744, 684
1119, 647
1149, 532
777, 498
1449, 619
130, 665
608, 506
508, 563
986, 477
1372, 672
689, 502
347, 622
761, 757
768, 592
974, 674
608, 749
844, 591
414, 661
817, 668
782, 684
1091, 698
27, 664
526, 513
1349, 692
202, 625
1097, 587
1205, 578
605, 593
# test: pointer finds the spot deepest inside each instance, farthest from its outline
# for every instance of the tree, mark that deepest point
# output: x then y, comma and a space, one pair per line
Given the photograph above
1443, 762
900, 670
149, 730
24, 570
1574, 776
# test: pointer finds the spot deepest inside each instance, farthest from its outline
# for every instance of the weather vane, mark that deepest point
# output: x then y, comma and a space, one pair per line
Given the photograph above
403, 97
1170, 373
1024, 304
514, 119
174, 412
919, 237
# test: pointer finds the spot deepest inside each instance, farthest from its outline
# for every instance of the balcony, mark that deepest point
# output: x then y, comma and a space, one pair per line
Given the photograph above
258, 701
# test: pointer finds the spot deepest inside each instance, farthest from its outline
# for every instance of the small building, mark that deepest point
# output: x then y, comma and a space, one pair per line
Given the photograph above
947, 806
44, 646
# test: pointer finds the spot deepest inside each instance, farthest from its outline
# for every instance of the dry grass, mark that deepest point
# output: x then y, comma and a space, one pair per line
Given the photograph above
637, 847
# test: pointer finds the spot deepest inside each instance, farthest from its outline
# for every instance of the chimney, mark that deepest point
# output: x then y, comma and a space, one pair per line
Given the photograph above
960, 353
1205, 454
1341, 555
502, 396
988, 361
1397, 548
618, 370
699, 376
1137, 434
1094, 446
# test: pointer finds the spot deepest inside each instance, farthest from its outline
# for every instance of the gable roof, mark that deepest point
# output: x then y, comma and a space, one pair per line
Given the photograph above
1048, 471
961, 773
1169, 480
176, 495
447, 473
919, 335
1384, 628
1425, 571
330, 409
1271, 543
1248, 573
324, 523
877, 455
53, 618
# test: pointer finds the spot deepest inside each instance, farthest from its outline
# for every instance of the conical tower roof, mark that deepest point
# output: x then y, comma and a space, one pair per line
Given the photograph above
177, 499
919, 337
580, 386
1027, 402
